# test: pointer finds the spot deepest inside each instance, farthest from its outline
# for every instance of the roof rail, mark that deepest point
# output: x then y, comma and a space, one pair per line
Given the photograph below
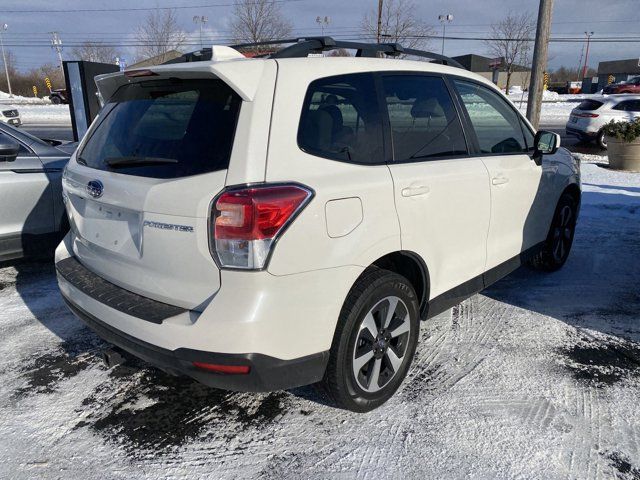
303, 46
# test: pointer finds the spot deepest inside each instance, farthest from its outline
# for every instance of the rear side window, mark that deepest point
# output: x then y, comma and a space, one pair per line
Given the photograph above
165, 129
496, 123
424, 122
341, 121
589, 105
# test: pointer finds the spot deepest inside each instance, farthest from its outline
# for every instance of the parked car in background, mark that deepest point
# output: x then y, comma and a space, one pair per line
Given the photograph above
630, 86
32, 215
588, 118
261, 224
59, 96
10, 114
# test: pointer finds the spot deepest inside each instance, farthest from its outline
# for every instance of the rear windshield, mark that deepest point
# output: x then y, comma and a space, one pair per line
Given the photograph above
589, 105
165, 129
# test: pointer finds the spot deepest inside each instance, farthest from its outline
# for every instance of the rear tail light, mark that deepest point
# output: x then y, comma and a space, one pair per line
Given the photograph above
246, 223
587, 115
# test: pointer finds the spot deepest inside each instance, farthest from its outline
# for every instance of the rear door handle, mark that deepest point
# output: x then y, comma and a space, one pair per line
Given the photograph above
415, 190
499, 180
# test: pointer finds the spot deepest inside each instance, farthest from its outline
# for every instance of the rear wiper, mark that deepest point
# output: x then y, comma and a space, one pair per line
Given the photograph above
119, 162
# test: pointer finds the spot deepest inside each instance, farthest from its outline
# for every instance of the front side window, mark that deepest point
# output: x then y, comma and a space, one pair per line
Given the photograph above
496, 123
423, 119
165, 129
341, 121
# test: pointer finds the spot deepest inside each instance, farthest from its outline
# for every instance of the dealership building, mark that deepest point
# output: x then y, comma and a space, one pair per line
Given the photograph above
612, 71
483, 66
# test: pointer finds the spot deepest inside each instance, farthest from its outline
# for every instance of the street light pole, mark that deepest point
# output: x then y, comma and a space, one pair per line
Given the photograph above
323, 22
56, 44
4, 58
444, 19
200, 20
586, 55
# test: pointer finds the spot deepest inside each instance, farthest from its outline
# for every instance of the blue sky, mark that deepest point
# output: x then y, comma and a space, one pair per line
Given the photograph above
28, 33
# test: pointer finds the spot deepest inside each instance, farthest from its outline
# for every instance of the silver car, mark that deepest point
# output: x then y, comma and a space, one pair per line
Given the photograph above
32, 214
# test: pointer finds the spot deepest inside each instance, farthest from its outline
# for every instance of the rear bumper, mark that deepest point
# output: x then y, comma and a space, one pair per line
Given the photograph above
265, 374
580, 133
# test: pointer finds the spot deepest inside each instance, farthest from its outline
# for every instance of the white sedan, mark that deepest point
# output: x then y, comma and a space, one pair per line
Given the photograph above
10, 114
588, 118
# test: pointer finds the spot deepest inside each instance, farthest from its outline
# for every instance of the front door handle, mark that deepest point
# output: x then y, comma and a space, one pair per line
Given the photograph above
415, 190
499, 180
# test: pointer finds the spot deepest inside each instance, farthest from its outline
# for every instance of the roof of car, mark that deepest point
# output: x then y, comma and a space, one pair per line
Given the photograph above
613, 98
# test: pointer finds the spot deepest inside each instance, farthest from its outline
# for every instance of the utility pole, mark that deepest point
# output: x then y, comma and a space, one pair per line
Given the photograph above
444, 19
56, 44
586, 55
3, 28
543, 30
379, 31
323, 22
200, 20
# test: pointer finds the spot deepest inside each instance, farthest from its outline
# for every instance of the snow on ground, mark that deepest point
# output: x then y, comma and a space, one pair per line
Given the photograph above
35, 110
538, 377
45, 114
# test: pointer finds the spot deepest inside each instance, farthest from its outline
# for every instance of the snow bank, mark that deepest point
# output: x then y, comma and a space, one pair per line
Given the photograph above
19, 100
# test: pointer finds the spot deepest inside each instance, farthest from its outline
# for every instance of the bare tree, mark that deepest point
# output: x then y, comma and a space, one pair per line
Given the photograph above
259, 21
339, 52
510, 40
398, 24
159, 34
95, 52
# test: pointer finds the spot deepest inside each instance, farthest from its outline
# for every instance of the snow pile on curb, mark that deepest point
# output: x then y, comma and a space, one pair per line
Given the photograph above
19, 100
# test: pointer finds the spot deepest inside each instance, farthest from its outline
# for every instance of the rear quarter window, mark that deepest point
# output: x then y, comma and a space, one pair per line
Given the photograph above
340, 120
165, 129
589, 105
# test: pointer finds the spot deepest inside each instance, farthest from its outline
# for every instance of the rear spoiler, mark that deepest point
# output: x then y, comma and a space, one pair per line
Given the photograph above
243, 75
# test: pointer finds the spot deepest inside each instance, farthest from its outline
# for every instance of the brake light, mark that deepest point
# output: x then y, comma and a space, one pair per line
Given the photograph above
246, 223
139, 73
587, 115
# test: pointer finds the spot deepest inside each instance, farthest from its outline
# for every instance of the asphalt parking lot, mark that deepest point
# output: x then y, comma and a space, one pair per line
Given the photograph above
537, 377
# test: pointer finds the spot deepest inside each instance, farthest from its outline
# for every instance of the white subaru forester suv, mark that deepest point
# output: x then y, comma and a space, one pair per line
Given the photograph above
261, 224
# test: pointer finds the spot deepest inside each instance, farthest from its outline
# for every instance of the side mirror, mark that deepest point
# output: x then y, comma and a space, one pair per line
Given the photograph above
8, 150
546, 143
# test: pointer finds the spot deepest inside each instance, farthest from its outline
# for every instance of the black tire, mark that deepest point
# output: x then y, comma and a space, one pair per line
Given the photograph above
554, 254
56, 100
373, 288
601, 141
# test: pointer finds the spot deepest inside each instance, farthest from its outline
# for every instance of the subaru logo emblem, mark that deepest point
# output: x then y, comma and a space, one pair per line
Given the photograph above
95, 188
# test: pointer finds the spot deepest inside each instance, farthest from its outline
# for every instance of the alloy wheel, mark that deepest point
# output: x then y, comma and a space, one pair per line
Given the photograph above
381, 344
562, 233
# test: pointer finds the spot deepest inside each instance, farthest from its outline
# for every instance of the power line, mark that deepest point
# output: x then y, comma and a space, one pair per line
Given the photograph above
137, 9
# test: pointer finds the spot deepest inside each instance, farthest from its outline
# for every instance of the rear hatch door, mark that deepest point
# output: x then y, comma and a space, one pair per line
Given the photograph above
138, 190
